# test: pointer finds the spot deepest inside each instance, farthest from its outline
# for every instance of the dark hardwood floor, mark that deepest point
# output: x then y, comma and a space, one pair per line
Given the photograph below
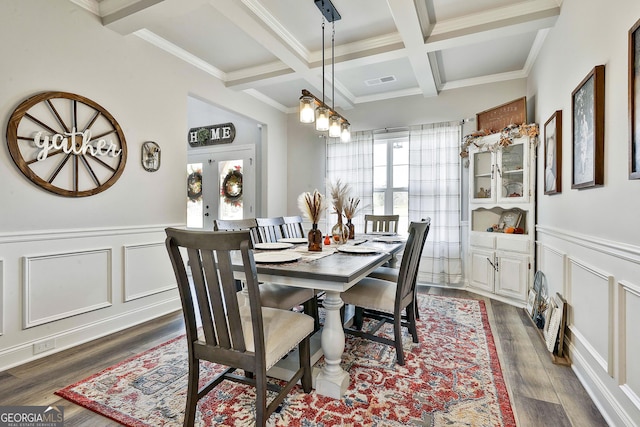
542, 393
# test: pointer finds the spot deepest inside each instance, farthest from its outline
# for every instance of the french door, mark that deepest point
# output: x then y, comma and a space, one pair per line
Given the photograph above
221, 184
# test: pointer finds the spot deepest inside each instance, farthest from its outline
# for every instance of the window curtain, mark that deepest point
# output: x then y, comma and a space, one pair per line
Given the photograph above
434, 191
352, 163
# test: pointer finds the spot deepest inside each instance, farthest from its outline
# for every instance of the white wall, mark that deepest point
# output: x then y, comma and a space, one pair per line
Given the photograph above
73, 269
588, 243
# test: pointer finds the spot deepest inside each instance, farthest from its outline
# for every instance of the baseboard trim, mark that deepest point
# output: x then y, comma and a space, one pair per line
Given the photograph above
23, 353
611, 410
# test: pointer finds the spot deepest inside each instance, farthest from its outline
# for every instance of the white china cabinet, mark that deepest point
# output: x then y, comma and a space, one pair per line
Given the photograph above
501, 216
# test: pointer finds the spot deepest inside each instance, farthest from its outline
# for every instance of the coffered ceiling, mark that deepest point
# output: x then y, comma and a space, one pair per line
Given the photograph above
384, 49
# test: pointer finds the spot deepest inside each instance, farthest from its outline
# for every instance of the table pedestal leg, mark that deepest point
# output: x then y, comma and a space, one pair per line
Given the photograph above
332, 380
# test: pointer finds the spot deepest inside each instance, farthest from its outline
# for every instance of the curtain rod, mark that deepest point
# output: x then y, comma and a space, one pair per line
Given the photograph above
387, 130
406, 128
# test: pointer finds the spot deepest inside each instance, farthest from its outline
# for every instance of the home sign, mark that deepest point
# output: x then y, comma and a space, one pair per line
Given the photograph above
223, 133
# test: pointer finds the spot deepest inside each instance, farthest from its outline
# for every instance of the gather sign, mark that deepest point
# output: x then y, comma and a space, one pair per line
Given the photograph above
74, 143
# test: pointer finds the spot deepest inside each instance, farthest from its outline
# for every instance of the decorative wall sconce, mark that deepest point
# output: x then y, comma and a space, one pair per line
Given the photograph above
150, 156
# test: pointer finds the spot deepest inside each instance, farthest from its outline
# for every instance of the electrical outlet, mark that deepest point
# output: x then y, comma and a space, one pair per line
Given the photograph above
42, 346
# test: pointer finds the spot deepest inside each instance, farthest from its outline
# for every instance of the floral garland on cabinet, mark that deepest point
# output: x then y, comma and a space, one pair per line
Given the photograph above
507, 135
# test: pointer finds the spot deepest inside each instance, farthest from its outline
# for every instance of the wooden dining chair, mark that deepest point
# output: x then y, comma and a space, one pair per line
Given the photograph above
252, 338
238, 224
270, 229
386, 301
273, 295
381, 223
391, 273
293, 226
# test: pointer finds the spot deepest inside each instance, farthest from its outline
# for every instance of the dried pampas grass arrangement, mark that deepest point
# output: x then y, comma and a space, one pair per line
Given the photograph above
339, 194
351, 207
312, 205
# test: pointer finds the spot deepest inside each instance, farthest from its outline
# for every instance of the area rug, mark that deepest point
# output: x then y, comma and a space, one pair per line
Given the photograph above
451, 378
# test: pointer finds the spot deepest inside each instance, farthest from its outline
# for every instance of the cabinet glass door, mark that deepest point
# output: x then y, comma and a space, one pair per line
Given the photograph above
482, 169
511, 171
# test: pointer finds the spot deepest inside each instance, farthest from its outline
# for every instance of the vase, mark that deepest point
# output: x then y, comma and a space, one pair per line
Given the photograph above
352, 229
315, 239
340, 232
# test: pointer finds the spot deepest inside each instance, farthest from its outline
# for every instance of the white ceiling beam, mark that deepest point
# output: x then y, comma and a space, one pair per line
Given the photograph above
486, 26
267, 31
408, 24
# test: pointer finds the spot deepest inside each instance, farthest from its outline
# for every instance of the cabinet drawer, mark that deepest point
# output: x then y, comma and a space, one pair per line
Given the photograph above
483, 240
513, 244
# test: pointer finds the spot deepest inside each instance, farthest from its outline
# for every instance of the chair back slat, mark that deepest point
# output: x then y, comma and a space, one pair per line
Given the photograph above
293, 226
238, 224
225, 270
210, 256
270, 229
199, 260
381, 223
407, 275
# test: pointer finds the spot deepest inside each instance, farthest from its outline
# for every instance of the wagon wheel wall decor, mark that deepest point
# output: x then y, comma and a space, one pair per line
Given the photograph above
66, 144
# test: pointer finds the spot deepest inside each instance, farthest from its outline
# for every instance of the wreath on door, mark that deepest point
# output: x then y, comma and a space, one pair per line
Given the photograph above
231, 189
194, 186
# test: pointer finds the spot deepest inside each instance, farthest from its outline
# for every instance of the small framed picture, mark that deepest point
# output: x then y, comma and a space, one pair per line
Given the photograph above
634, 101
588, 130
510, 218
553, 154
531, 302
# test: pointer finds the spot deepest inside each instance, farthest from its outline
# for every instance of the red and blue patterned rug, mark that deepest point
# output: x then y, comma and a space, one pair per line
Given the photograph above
451, 378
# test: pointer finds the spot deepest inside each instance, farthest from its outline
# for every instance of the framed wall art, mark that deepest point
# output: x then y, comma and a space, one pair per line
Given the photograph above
587, 102
634, 101
553, 154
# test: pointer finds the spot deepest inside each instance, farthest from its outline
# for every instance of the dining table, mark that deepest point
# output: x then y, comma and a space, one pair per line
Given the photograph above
333, 270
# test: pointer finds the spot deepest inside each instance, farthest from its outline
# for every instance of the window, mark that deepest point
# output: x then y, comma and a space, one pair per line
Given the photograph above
414, 174
391, 176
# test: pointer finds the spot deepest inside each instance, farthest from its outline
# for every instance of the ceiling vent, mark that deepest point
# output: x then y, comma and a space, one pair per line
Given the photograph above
380, 80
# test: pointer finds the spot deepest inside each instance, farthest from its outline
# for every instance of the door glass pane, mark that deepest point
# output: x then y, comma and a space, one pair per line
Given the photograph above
231, 203
194, 196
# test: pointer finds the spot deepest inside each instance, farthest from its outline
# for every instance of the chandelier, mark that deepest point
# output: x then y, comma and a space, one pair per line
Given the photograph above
314, 109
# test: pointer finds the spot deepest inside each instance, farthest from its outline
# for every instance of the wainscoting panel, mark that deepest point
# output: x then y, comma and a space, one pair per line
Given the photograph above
62, 285
143, 273
2, 308
591, 302
552, 263
629, 346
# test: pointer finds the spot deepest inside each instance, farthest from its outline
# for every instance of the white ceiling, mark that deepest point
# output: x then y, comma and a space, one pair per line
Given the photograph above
273, 48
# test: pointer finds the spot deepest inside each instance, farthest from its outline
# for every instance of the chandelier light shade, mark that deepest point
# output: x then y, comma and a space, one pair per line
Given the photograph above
334, 126
345, 132
322, 119
315, 109
307, 110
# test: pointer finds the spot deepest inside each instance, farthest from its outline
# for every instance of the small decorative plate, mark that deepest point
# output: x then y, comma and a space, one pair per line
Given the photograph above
383, 233
351, 249
273, 246
275, 257
294, 240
